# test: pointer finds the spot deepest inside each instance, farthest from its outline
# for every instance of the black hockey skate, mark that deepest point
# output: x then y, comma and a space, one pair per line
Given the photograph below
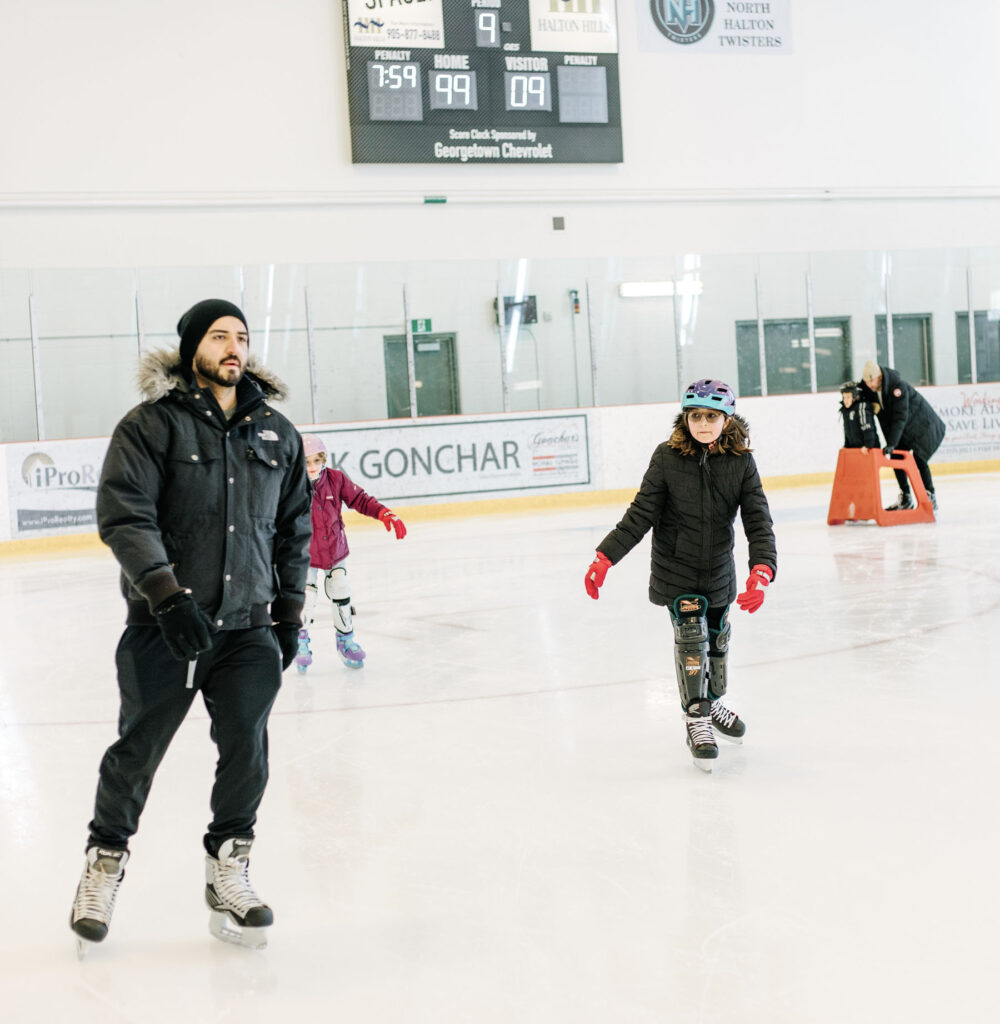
95, 896
239, 915
700, 739
727, 723
902, 503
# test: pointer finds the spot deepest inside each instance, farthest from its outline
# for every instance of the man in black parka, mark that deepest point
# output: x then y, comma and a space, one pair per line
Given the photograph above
908, 422
205, 503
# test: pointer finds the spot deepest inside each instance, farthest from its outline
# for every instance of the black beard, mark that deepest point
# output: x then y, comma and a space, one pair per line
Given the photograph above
214, 373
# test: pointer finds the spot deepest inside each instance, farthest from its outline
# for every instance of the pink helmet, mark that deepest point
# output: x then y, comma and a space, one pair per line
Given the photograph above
313, 445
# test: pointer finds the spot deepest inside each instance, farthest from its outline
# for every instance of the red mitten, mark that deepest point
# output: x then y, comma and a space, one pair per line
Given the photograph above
596, 573
392, 522
753, 597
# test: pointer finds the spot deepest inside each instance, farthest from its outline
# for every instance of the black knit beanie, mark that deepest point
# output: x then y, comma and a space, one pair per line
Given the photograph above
194, 324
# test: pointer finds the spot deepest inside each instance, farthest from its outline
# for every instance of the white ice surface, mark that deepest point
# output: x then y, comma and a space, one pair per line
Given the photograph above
497, 820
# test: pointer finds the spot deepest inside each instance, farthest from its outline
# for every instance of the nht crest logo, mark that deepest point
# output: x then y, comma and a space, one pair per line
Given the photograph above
683, 21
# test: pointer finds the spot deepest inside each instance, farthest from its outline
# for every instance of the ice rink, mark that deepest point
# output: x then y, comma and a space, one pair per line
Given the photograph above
497, 819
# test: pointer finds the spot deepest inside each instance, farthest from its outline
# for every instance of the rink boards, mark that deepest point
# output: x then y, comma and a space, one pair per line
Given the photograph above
48, 488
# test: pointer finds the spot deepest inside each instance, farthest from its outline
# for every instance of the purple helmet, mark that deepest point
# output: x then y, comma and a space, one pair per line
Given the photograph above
313, 445
710, 394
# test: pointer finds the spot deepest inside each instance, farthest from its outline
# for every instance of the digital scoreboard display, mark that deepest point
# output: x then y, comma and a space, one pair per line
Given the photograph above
483, 81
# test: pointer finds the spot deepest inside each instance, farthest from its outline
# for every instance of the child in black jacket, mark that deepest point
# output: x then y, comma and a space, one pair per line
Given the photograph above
697, 481
858, 413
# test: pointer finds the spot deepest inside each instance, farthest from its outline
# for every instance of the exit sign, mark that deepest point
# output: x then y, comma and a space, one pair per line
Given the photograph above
421, 326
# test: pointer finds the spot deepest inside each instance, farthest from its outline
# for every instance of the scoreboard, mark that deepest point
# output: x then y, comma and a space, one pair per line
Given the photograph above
483, 81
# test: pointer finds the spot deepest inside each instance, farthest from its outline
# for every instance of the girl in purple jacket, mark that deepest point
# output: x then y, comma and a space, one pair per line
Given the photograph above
328, 549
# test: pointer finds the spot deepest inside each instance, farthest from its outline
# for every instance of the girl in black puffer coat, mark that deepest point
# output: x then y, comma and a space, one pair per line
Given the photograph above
696, 483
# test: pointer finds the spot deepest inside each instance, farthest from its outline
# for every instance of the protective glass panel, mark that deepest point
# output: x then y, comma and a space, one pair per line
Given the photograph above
88, 349
634, 337
17, 374
933, 283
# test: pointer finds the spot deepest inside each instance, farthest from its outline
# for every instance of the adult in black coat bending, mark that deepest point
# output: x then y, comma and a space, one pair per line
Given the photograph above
908, 422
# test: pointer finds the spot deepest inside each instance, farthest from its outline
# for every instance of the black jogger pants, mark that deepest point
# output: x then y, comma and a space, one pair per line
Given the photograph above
239, 680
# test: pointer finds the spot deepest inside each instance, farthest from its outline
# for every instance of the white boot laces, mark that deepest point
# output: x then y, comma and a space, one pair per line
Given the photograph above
700, 728
232, 885
723, 715
95, 898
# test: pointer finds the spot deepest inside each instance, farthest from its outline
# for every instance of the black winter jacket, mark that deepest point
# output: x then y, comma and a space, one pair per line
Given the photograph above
189, 499
690, 496
907, 419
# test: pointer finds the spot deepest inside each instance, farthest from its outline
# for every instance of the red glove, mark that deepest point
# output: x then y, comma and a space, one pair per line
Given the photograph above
752, 598
392, 522
596, 573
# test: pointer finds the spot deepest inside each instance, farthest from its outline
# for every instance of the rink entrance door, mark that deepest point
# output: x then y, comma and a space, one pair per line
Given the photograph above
911, 346
435, 371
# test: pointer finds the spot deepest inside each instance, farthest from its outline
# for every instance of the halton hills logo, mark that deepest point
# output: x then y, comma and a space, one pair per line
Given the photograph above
683, 21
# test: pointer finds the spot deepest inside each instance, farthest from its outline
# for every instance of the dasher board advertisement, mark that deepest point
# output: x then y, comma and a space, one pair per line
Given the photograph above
483, 81
469, 458
52, 486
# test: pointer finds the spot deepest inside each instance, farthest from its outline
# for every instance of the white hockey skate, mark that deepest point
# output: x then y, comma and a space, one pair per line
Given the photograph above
95, 896
239, 915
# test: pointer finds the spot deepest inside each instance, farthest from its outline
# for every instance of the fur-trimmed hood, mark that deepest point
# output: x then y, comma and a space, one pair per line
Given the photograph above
160, 373
734, 439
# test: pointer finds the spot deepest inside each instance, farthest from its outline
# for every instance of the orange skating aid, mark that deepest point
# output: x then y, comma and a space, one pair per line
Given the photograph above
857, 492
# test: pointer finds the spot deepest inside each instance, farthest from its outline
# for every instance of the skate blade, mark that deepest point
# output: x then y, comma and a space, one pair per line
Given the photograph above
353, 664
704, 763
729, 739
83, 946
223, 928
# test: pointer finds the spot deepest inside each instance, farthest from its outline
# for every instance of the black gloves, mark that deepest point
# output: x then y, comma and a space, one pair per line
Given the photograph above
186, 629
287, 634
887, 451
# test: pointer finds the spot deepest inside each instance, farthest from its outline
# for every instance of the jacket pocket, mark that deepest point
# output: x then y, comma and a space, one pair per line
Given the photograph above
193, 485
266, 466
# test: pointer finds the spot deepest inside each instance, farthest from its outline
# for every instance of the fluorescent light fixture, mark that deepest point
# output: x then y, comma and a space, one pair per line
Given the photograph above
658, 289
829, 332
646, 289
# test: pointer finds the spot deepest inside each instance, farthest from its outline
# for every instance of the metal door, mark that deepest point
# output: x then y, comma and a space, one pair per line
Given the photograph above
435, 371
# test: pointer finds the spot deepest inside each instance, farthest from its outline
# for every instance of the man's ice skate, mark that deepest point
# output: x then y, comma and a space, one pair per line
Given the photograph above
304, 658
902, 503
700, 739
239, 915
726, 722
95, 896
350, 650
